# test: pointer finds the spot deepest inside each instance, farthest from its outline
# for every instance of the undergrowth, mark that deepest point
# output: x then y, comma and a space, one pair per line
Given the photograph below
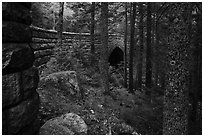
104, 114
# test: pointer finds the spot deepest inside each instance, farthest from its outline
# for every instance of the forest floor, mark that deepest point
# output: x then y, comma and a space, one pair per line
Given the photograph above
118, 113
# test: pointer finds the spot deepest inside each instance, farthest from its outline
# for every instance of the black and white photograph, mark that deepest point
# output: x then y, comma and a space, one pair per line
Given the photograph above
101, 68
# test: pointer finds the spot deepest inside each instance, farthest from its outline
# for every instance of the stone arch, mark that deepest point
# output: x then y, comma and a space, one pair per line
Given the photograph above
116, 56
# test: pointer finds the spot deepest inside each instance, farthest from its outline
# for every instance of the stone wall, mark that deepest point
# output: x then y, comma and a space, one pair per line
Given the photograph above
44, 41
20, 101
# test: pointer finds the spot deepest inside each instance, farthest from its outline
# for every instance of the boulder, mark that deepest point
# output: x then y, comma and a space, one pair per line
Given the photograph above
124, 129
64, 80
119, 127
67, 124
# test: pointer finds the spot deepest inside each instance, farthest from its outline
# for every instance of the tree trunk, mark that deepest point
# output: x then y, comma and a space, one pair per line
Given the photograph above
154, 43
60, 24
175, 113
103, 62
131, 49
125, 45
148, 54
199, 74
92, 28
162, 79
156, 51
196, 73
139, 70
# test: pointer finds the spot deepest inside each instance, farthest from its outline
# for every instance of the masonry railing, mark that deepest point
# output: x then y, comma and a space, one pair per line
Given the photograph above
44, 41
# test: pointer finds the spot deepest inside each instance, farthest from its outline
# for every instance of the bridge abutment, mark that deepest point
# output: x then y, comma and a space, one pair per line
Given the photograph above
20, 101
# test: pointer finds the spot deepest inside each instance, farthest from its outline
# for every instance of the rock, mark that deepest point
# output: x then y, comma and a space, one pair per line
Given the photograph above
64, 80
43, 53
18, 86
20, 101
18, 117
67, 124
124, 129
31, 129
55, 129
121, 128
42, 46
30, 79
41, 61
10, 89
16, 57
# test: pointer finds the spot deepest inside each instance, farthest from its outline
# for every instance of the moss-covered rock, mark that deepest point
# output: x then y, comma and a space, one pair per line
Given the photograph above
67, 124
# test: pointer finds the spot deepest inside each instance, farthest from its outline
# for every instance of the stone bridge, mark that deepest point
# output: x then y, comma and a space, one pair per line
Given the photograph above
24, 49
44, 41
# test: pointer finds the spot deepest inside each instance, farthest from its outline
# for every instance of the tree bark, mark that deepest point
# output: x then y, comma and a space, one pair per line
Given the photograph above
60, 23
156, 51
148, 53
103, 62
196, 72
125, 45
139, 70
131, 49
92, 28
176, 101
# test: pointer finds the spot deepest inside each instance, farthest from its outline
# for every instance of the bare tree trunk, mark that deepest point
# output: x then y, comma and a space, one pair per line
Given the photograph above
132, 42
103, 62
176, 101
125, 43
139, 70
156, 51
60, 24
148, 53
196, 83
92, 28
53, 15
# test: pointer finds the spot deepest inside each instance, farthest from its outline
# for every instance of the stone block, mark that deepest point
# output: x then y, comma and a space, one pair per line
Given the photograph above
15, 32
19, 86
31, 129
12, 11
30, 79
42, 40
42, 46
20, 116
11, 90
16, 57
4, 122
45, 34
42, 53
